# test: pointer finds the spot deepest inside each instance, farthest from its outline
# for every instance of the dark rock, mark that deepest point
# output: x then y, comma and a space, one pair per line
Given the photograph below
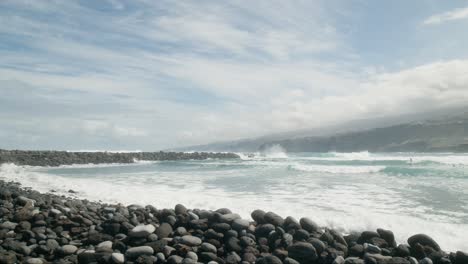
309, 225
164, 230
354, 260
240, 224
180, 209
302, 252
233, 244
273, 219
258, 216
301, 235
366, 237
402, 251
269, 260
264, 230
356, 250
291, 223
424, 240
388, 236
461, 257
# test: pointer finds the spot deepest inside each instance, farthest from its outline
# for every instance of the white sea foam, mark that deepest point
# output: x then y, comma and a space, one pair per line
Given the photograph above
357, 202
337, 169
274, 152
450, 159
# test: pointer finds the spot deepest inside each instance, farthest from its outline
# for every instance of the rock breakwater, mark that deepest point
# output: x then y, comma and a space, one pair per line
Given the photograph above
57, 158
45, 228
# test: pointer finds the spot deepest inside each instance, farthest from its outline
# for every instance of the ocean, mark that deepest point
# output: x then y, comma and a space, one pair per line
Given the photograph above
407, 193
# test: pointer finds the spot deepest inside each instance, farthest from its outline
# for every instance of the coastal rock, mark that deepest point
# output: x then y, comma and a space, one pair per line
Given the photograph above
240, 224
180, 209
424, 240
139, 251
258, 216
34, 261
118, 258
308, 225
269, 260
302, 252
207, 247
105, 246
191, 241
142, 231
164, 230
68, 249
388, 236
273, 219
461, 257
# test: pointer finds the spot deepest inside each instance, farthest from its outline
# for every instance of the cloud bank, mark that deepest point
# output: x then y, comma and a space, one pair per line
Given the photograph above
156, 74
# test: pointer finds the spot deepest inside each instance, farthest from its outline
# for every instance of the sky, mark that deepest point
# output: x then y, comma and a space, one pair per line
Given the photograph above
151, 75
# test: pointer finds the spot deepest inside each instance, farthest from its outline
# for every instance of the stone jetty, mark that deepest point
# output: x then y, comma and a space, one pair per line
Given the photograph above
57, 158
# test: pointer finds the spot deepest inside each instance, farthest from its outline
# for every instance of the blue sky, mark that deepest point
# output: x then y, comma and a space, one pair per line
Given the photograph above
115, 74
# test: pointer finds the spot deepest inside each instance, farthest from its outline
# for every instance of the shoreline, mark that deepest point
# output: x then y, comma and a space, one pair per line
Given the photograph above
43, 228
58, 158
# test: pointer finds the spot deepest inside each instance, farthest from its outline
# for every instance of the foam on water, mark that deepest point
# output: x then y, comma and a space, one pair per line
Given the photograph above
359, 197
337, 169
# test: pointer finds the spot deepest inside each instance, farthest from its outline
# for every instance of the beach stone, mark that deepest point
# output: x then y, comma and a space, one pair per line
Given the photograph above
425, 261
8, 225
264, 230
291, 223
180, 209
339, 260
413, 260
424, 240
461, 257
353, 260
372, 248
69, 249
118, 258
258, 216
233, 244
246, 241
301, 235
105, 246
308, 225
52, 244
269, 260
142, 231
402, 251
174, 259
228, 218
388, 236
164, 230
302, 252
8, 257
318, 245
240, 224
207, 247
161, 257
191, 240
34, 261
356, 250
181, 231
396, 260
134, 252
290, 261
273, 219
192, 255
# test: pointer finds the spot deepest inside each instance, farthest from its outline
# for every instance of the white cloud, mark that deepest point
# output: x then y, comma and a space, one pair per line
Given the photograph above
180, 73
459, 13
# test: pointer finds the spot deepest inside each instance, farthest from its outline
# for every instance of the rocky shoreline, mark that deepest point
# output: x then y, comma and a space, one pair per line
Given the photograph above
45, 228
57, 158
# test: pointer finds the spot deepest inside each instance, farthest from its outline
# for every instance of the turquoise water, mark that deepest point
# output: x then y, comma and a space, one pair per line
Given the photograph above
405, 192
